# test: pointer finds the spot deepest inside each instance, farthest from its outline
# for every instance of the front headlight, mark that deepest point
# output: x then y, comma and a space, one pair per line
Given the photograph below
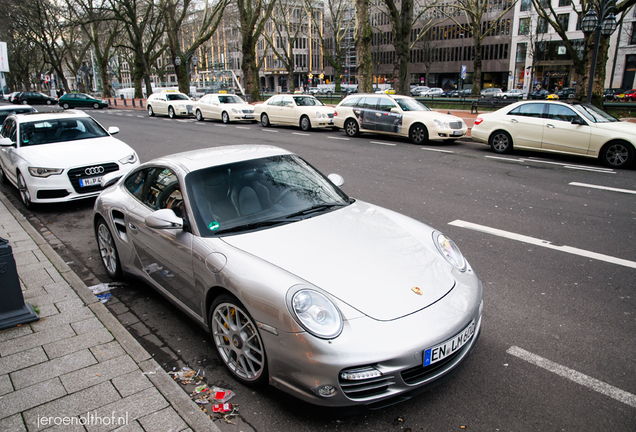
44, 172
316, 314
131, 158
318, 114
181, 106
440, 124
234, 111
450, 251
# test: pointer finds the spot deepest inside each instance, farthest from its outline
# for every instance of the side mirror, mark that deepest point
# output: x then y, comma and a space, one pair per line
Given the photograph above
113, 130
336, 179
110, 179
164, 219
578, 121
395, 110
6, 142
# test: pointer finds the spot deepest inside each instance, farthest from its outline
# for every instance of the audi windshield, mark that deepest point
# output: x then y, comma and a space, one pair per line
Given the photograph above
59, 130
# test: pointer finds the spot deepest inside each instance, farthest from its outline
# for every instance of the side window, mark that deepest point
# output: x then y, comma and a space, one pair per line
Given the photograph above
8, 130
157, 188
561, 113
276, 100
385, 104
350, 102
288, 101
370, 102
528, 110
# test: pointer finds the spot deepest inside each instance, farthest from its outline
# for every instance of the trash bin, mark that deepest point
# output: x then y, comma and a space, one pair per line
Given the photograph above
13, 310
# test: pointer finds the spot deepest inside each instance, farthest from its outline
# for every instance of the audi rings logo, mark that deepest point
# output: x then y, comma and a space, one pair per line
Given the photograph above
90, 171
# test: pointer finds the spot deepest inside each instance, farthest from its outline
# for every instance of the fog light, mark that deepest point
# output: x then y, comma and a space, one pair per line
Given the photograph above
326, 390
360, 375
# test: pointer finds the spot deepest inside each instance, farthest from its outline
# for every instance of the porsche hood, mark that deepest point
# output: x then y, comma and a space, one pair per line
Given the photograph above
370, 258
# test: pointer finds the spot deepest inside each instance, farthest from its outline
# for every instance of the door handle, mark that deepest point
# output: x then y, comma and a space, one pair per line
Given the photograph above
132, 226
514, 121
551, 126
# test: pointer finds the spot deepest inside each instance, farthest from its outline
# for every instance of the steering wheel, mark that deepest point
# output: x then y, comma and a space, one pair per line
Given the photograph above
165, 194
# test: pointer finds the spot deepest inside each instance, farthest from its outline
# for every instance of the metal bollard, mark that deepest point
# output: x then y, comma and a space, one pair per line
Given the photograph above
13, 310
133, 102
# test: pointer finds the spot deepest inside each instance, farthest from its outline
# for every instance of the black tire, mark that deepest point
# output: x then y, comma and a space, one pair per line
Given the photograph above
171, 112
199, 115
351, 128
617, 154
265, 120
108, 250
95, 105
418, 134
25, 195
231, 327
66, 106
3, 176
501, 142
225, 118
151, 112
305, 123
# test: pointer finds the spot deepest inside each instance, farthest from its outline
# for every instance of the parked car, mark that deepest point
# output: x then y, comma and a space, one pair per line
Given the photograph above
629, 96
60, 156
81, 100
611, 93
171, 103
432, 92
224, 107
491, 92
304, 111
7, 110
32, 98
313, 91
558, 127
279, 265
566, 93
416, 91
512, 94
539, 94
397, 115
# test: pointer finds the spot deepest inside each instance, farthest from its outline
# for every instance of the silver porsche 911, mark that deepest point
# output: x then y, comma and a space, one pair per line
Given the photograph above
336, 301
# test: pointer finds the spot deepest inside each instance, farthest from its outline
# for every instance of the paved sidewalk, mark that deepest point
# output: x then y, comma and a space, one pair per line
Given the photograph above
78, 368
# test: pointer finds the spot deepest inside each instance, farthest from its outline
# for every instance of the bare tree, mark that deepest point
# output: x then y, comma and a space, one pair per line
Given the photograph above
583, 62
252, 14
475, 11
337, 17
363, 35
202, 22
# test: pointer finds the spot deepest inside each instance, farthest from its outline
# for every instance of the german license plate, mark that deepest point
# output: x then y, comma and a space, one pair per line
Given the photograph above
92, 181
248, 116
451, 346
456, 133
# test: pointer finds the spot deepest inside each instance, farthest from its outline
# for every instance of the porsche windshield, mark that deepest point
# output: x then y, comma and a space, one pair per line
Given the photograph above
259, 193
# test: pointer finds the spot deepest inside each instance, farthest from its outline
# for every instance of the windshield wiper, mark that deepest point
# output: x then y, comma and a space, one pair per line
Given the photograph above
316, 209
254, 225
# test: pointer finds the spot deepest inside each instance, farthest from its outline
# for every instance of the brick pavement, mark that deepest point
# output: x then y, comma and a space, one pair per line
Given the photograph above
78, 368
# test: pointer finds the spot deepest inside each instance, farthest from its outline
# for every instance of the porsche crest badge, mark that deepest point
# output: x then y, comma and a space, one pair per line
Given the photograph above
416, 290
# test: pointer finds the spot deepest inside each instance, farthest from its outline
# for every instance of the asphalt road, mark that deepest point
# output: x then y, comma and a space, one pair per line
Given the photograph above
556, 255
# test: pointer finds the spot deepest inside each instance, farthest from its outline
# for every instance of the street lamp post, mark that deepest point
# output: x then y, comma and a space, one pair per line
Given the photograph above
460, 86
591, 23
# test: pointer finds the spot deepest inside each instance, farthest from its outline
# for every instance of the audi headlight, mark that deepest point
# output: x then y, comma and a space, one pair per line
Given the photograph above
450, 251
44, 172
316, 314
131, 158
440, 124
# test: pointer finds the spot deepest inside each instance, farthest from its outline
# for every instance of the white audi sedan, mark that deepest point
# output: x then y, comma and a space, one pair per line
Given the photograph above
224, 107
304, 111
558, 127
336, 301
397, 115
60, 156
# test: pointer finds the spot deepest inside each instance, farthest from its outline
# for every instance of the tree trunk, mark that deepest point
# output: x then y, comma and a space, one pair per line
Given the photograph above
364, 32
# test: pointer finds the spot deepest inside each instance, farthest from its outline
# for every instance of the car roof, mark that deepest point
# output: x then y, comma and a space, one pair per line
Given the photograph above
54, 115
217, 156
13, 107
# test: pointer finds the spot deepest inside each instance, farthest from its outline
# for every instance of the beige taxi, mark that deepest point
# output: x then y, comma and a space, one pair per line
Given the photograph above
169, 102
301, 110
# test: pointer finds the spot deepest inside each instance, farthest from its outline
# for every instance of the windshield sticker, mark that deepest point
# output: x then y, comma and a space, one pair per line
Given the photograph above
213, 226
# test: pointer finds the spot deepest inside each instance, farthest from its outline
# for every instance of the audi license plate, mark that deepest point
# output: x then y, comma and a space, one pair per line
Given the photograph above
92, 181
451, 346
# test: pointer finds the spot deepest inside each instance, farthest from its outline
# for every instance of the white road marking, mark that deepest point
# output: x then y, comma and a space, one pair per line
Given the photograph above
607, 188
564, 165
543, 243
572, 375
301, 134
219, 125
270, 130
243, 127
141, 116
338, 138
383, 143
436, 150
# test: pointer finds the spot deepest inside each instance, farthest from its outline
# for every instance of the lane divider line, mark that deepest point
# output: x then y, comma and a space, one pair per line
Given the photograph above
436, 150
607, 188
572, 375
382, 143
543, 243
